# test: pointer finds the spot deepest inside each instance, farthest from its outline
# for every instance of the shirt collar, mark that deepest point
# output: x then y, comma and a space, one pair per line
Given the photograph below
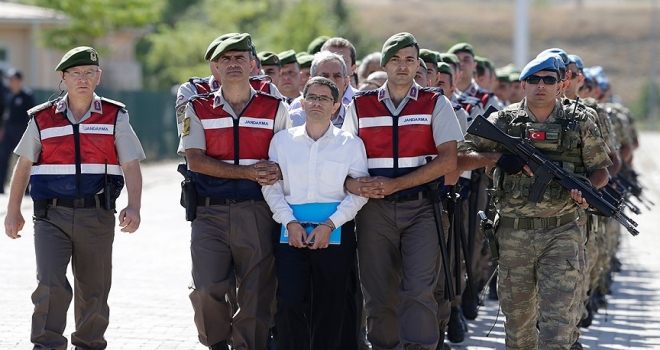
219, 100
331, 133
214, 84
348, 95
96, 105
413, 93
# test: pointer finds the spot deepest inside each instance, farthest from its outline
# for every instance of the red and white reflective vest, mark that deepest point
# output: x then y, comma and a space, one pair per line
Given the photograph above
72, 163
242, 141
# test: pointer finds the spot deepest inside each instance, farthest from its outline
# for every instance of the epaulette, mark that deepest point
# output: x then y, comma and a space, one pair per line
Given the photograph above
366, 92
457, 106
194, 97
262, 77
433, 89
113, 102
267, 94
196, 80
42, 106
471, 100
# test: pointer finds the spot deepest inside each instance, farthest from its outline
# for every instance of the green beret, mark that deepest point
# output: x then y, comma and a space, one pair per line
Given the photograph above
462, 47
422, 64
444, 68
214, 44
484, 62
304, 59
286, 57
240, 42
449, 58
503, 74
79, 56
395, 43
428, 56
268, 58
316, 44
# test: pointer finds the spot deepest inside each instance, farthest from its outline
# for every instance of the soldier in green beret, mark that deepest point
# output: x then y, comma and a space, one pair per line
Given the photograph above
398, 254
305, 61
485, 73
76, 153
231, 233
271, 66
289, 84
504, 84
431, 59
316, 44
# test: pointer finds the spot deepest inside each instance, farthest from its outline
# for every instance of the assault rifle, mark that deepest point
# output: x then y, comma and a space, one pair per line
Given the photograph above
546, 171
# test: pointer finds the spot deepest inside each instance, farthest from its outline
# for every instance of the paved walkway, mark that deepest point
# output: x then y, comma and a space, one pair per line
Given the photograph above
149, 301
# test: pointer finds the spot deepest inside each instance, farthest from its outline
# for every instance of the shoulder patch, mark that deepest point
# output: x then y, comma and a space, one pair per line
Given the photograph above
42, 106
116, 103
456, 106
366, 92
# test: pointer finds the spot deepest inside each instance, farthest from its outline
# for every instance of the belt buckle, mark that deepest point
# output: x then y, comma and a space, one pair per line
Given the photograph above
79, 203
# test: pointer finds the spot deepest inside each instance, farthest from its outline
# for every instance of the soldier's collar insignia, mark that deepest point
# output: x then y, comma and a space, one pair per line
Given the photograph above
413, 92
215, 85
61, 106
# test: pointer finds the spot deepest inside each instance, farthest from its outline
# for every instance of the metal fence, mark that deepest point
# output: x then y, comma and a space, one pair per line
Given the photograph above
151, 115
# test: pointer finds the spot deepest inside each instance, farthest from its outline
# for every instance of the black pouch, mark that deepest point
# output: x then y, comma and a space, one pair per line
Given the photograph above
40, 209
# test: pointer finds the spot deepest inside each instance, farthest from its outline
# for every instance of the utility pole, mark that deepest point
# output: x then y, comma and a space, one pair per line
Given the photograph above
652, 100
521, 33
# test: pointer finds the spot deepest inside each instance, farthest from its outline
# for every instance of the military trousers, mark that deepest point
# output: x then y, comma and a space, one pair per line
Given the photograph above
233, 241
537, 281
83, 236
398, 258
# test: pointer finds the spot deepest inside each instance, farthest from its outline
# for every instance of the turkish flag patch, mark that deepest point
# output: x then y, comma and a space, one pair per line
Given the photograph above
537, 135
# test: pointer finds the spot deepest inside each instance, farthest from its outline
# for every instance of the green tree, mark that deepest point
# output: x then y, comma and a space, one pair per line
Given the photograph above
90, 20
174, 52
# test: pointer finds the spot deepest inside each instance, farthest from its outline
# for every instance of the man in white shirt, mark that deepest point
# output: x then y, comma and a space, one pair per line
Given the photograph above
314, 158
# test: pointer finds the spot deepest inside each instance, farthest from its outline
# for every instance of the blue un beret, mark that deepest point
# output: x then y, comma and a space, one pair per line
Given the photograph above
548, 63
577, 60
562, 54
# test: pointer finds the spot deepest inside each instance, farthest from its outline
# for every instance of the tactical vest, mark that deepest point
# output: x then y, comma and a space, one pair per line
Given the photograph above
242, 141
396, 145
560, 141
73, 158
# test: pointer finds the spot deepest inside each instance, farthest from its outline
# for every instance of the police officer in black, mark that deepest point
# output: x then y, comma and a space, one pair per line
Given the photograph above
14, 120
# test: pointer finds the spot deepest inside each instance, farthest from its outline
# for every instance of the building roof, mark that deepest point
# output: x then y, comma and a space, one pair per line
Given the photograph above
18, 13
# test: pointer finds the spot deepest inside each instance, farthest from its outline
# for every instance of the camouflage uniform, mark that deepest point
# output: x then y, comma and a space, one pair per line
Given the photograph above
538, 242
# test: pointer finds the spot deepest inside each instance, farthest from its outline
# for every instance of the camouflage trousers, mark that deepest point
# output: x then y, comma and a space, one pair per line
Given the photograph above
538, 279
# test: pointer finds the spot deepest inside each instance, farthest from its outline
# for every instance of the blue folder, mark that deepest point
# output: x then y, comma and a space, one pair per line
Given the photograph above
313, 212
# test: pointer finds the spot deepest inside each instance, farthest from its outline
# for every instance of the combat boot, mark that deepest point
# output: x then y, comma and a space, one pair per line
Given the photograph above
576, 346
219, 346
441, 343
455, 327
492, 289
470, 307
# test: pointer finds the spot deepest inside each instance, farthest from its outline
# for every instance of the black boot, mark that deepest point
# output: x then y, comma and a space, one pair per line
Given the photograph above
576, 346
441, 343
586, 322
470, 307
219, 346
492, 289
455, 327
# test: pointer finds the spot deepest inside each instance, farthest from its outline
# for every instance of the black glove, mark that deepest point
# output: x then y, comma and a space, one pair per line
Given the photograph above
511, 164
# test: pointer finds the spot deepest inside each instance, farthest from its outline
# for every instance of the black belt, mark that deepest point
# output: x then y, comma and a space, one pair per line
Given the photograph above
206, 201
77, 203
537, 223
407, 198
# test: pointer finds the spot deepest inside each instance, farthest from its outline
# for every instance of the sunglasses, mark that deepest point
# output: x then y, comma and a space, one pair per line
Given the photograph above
535, 79
574, 75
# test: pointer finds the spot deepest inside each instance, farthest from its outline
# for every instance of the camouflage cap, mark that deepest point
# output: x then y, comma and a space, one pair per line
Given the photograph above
286, 57
429, 56
240, 42
304, 59
395, 43
444, 68
316, 44
214, 44
268, 58
79, 56
461, 47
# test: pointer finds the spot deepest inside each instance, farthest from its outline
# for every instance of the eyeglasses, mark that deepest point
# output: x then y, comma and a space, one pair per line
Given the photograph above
321, 99
574, 75
88, 74
535, 79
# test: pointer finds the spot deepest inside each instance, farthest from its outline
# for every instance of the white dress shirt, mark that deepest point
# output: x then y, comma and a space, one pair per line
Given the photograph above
314, 172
